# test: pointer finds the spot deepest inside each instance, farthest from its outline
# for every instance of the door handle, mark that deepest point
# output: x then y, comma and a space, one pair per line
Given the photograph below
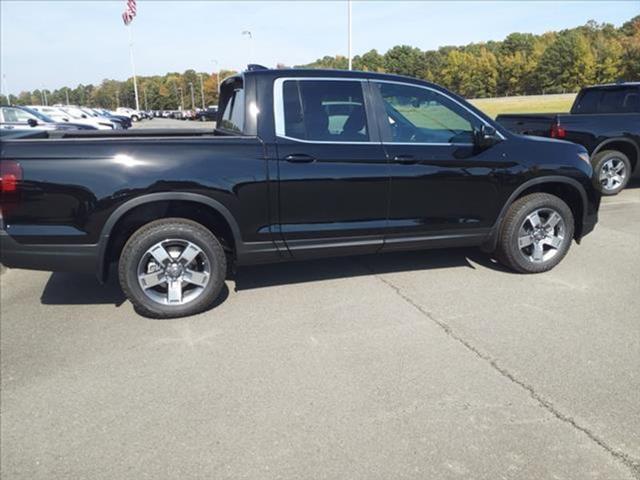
299, 158
405, 159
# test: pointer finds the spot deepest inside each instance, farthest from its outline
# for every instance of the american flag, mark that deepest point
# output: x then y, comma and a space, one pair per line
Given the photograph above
129, 12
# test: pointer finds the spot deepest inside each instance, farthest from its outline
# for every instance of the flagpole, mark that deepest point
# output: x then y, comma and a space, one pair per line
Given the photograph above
133, 67
349, 33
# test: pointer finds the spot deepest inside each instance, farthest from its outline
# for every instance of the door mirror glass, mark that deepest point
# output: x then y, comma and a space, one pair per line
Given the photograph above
486, 136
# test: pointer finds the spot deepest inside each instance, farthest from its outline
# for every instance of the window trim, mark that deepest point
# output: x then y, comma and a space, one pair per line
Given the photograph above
278, 109
439, 92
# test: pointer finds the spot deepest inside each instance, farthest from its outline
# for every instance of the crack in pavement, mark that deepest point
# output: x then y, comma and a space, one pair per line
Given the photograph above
626, 459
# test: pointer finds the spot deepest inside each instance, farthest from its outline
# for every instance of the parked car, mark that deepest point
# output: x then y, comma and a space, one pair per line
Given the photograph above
123, 120
134, 115
86, 118
52, 112
22, 118
605, 119
287, 175
210, 114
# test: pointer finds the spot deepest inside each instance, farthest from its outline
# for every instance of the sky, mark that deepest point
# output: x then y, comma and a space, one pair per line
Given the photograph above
50, 44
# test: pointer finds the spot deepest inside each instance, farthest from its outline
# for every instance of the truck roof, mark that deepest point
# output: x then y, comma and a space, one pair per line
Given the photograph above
614, 85
330, 73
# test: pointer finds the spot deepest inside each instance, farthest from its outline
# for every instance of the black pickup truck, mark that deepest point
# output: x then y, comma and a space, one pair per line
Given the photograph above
302, 164
605, 119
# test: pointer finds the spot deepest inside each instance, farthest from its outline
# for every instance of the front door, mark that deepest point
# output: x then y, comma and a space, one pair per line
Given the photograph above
333, 172
443, 189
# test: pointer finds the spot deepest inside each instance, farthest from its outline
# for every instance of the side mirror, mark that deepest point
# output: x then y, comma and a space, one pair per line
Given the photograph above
486, 136
32, 122
84, 116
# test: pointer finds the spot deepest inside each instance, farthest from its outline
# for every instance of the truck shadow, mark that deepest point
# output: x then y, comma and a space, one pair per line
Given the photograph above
253, 277
633, 183
78, 289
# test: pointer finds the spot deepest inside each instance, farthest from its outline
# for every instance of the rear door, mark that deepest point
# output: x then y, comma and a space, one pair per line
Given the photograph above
333, 172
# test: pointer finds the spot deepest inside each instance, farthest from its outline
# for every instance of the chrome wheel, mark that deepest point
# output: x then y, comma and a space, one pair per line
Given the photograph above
174, 272
612, 174
541, 235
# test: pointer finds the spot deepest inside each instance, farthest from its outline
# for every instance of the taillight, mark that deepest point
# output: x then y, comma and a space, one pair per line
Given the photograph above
10, 175
557, 131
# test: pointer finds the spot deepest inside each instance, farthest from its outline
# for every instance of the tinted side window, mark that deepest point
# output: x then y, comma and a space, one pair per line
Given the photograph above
611, 101
15, 115
233, 116
324, 110
588, 102
619, 100
419, 115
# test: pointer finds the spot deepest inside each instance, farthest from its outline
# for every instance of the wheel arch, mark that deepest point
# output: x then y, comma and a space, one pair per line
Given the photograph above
568, 189
219, 215
621, 144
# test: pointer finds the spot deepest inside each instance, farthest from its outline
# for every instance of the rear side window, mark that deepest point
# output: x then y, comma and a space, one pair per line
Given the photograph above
588, 102
323, 110
233, 116
619, 100
609, 100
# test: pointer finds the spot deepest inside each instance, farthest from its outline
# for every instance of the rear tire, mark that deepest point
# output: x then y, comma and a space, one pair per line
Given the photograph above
172, 267
536, 233
611, 172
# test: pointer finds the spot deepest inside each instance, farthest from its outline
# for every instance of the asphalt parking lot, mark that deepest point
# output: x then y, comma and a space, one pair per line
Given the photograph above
421, 365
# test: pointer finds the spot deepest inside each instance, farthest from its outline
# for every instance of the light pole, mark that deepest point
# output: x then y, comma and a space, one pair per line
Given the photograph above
66, 92
248, 34
202, 90
215, 62
181, 99
349, 34
5, 88
193, 98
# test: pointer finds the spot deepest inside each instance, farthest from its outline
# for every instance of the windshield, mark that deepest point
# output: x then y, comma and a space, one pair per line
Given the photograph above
89, 112
74, 112
38, 115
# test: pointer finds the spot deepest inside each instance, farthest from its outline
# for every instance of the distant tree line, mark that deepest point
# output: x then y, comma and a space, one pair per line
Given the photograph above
159, 92
521, 64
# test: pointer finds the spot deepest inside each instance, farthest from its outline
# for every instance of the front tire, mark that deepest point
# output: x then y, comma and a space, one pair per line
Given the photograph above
611, 171
536, 233
171, 268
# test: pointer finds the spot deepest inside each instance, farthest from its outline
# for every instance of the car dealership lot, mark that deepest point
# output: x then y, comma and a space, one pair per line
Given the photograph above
435, 364
171, 123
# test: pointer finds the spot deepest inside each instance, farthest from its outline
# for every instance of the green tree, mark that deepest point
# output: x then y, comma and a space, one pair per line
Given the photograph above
630, 62
404, 60
371, 61
567, 64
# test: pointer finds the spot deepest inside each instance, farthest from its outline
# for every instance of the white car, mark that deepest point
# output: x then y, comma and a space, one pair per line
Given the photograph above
20, 119
134, 115
52, 112
78, 116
